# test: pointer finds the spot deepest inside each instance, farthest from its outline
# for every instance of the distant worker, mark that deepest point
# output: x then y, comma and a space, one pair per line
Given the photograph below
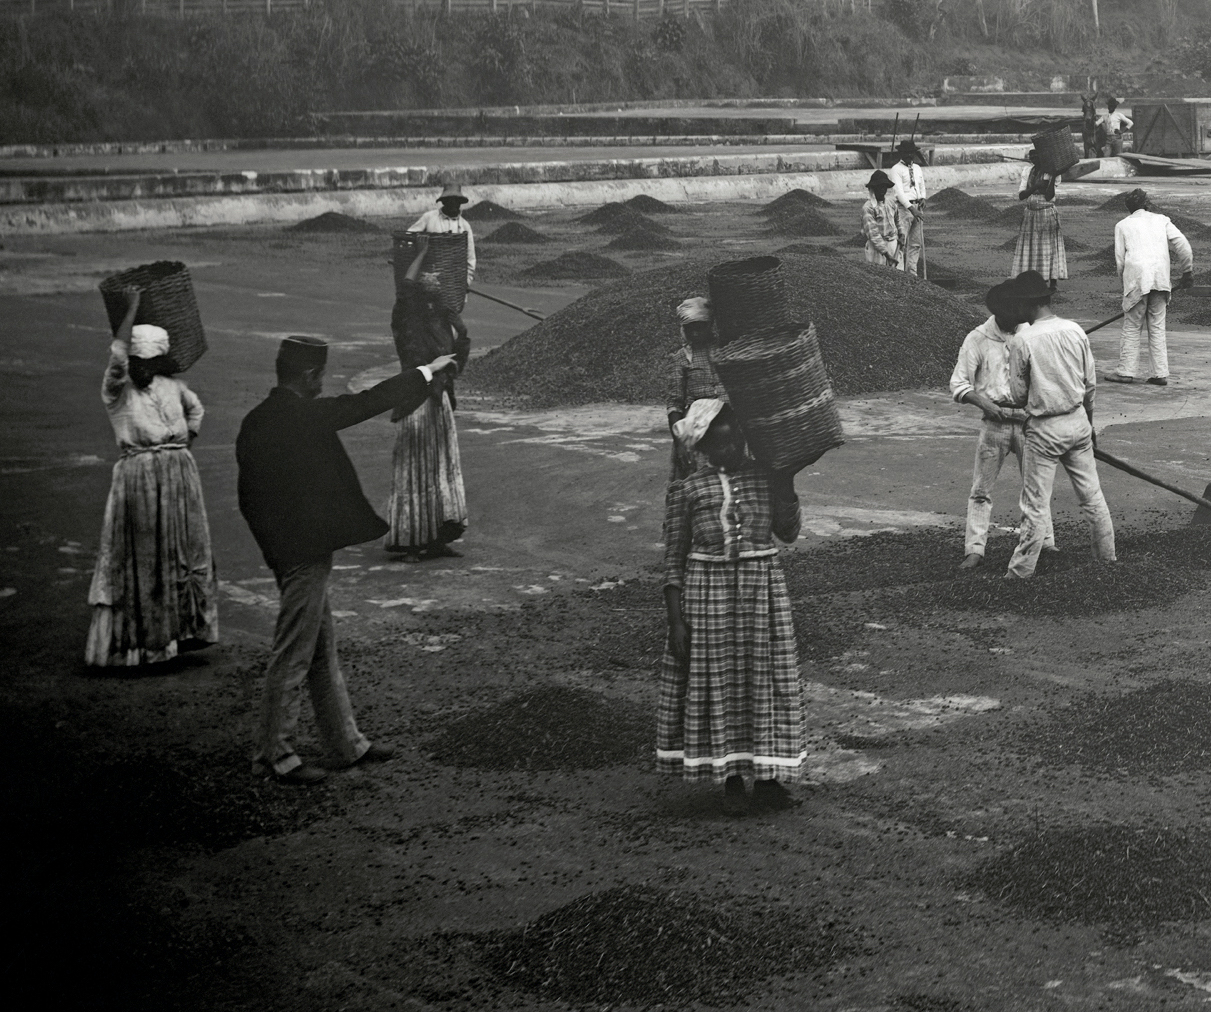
981, 377
879, 222
428, 505
1052, 375
154, 590
691, 377
1040, 242
908, 182
1113, 124
302, 500
1142, 244
449, 219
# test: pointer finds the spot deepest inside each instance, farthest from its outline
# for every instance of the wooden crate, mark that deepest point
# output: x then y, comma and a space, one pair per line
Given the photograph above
1177, 127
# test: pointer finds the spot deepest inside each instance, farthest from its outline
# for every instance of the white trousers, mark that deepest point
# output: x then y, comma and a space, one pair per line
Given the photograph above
1068, 440
1149, 312
913, 230
997, 440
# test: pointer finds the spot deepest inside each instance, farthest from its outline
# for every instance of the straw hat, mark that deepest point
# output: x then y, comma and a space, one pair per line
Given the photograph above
452, 191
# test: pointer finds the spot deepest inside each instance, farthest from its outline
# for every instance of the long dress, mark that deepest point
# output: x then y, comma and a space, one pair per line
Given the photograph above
736, 708
1040, 242
879, 227
154, 587
428, 504
691, 377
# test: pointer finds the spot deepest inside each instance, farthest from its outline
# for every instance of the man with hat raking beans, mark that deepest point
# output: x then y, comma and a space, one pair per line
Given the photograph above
1142, 244
300, 495
908, 184
1051, 375
449, 218
981, 377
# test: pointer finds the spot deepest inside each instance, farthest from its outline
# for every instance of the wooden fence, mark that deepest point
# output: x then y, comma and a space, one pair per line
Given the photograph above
636, 9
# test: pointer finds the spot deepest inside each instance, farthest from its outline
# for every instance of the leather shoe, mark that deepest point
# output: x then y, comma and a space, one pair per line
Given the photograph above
300, 776
1118, 377
1157, 381
377, 753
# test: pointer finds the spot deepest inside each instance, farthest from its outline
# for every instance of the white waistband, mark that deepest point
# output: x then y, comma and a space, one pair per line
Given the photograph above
757, 553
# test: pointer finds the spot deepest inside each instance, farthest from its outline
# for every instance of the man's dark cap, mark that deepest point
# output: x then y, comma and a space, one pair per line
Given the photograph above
879, 179
1029, 286
303, 352
908, 147
998, 300
1136, 199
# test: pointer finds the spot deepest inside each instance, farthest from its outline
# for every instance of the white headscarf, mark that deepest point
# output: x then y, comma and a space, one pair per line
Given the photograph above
694, 310
690, 430
148, 341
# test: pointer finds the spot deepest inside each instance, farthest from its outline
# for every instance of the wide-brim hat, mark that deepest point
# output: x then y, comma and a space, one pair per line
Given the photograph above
908, 148
999, 299
1029, 286
452, 191
879, 180
303, 352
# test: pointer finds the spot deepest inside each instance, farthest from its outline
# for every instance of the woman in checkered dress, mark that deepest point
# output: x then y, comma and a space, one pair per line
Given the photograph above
1040, 242
730, 694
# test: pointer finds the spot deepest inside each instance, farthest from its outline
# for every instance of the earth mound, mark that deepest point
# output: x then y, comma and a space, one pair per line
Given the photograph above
795, 200
878, 329
955, 201
1011, 216
577, 265
650, 205
804, 222
486, 210
1193, 229
332, 221
1101, 262
642, 239
631, 221
516, 232
1116, 204
810, 249
606, 213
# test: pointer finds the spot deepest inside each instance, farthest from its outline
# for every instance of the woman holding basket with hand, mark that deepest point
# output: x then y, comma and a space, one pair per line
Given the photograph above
153, 591
730, 695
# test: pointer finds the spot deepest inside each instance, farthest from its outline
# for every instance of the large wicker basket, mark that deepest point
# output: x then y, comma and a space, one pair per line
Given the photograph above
1057, 150
167, 301
447, 255
749, 298
779, 390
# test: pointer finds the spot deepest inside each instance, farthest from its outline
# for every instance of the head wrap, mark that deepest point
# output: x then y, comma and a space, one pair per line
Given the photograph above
303, 352
148, 341
690, 430
695, 310
1136, 199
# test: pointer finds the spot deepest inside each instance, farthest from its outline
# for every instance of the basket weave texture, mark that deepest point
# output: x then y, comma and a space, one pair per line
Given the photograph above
446, 255
779, 389
749, 298
167, 301
1057, 150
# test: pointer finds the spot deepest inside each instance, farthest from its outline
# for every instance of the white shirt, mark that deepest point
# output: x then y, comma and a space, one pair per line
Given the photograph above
165, 411
1115, 122
908, 183
436, 221
1051, 368
1142, 242
983, 364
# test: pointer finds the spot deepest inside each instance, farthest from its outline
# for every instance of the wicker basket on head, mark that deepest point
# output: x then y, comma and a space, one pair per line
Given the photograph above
167, 301
446, 255
748, 298
1057, 150
780, 392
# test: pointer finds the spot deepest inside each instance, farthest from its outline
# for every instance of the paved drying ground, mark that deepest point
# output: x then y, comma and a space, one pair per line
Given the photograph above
1006, 812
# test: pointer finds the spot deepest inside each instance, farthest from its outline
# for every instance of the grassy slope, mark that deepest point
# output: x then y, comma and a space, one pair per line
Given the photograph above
81, 78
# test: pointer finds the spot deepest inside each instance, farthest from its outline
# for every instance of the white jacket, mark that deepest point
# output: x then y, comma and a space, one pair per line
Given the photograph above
1142, 242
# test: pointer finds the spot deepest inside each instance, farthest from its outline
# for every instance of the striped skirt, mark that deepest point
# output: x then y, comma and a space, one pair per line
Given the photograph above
154, 588
428, 505
737, 709
1040, 241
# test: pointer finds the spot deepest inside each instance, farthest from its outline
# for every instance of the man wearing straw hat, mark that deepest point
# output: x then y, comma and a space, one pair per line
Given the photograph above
1051, 375
299, 493
449, 219
908, 184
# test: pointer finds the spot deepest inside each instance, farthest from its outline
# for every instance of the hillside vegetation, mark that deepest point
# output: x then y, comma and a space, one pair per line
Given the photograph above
126, 77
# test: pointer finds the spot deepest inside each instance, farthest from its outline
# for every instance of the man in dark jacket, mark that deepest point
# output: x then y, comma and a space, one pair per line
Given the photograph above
301, 497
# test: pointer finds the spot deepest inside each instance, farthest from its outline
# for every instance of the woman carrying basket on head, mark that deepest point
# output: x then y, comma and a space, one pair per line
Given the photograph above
154, 588
1040, 242
691, 377
730, 695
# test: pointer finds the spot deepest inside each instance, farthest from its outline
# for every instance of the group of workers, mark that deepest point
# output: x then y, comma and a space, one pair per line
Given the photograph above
154, 590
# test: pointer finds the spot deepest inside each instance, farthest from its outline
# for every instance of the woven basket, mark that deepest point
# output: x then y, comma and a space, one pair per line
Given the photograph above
1057, 150
167, 301
779, 390
749, 298
447, 255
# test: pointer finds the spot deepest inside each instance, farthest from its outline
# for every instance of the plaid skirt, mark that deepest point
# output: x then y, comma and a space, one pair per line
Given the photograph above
1040, 241
428, 504
737, 709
